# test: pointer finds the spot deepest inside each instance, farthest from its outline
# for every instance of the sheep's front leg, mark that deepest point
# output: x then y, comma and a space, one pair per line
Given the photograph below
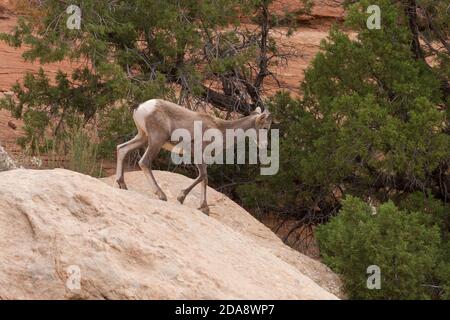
183, 194
203, 178
203, 203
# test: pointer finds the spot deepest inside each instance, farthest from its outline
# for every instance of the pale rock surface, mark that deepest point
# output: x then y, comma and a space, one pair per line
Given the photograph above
128, 245
231, 214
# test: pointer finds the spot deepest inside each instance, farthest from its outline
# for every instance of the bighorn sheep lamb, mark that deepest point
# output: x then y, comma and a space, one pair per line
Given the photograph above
157, 119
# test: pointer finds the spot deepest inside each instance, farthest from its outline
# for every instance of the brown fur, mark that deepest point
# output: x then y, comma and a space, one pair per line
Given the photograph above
157, 119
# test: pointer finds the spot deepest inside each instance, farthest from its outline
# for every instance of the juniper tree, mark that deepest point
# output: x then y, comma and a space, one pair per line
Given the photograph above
404, 243
373, 122
190, 52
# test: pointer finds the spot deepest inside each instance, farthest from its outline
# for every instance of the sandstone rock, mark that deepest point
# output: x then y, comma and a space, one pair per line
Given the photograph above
58, 227
231, 214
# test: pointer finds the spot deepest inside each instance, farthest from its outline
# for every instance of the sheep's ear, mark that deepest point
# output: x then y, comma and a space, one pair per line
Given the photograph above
258, 109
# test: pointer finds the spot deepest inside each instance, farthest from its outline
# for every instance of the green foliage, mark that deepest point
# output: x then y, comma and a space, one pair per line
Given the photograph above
371, 123
116, 125
132, 51
376, 105
405, 244
51, 110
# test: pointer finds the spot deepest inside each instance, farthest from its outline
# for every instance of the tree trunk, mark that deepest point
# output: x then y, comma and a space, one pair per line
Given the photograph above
411, 14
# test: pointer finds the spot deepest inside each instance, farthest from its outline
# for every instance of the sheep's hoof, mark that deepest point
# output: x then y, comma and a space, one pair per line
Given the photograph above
204, 209
181, 197
162, 196
121, 185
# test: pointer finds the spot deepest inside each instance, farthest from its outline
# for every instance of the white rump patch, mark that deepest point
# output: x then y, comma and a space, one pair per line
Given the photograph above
142, 112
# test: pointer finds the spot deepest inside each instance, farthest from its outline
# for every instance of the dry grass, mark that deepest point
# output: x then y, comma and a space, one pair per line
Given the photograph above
78, 153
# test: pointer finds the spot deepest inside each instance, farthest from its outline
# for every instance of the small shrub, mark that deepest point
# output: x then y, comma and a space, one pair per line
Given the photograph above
6, 163
406, 245
82, 154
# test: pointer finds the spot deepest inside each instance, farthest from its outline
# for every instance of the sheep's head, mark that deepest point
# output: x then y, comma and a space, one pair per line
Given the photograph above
263, 122
263, 119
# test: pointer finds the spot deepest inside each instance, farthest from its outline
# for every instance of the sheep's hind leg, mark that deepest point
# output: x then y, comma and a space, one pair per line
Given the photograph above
122, 151
146, 165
